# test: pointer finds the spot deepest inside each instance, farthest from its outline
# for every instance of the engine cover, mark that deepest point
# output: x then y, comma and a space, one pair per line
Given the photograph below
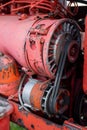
37, 42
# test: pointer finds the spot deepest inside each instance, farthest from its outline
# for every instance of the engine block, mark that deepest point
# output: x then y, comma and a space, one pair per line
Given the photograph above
43, 64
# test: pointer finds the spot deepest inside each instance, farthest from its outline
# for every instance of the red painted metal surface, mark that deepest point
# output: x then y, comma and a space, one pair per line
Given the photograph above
32, 121
27, 40
15, 38
5, 110
5, 123
85, 60
31, 45
34, 61
38, 37
32, 40
32, 48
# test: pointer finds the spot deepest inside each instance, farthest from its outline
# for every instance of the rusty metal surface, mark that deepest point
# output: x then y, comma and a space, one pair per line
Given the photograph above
9, 76
8, 70
34, 122
33, 92
37, 94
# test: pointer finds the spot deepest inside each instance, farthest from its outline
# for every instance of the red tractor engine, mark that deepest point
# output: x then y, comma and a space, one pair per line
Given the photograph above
41, 64
38, 49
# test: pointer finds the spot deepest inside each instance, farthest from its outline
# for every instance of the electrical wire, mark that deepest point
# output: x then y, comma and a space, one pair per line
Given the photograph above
53, 7
47, 6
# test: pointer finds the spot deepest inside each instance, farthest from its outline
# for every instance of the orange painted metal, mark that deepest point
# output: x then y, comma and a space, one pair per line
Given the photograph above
9, 76
8, 70
37, 94
85, 60
34, 122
